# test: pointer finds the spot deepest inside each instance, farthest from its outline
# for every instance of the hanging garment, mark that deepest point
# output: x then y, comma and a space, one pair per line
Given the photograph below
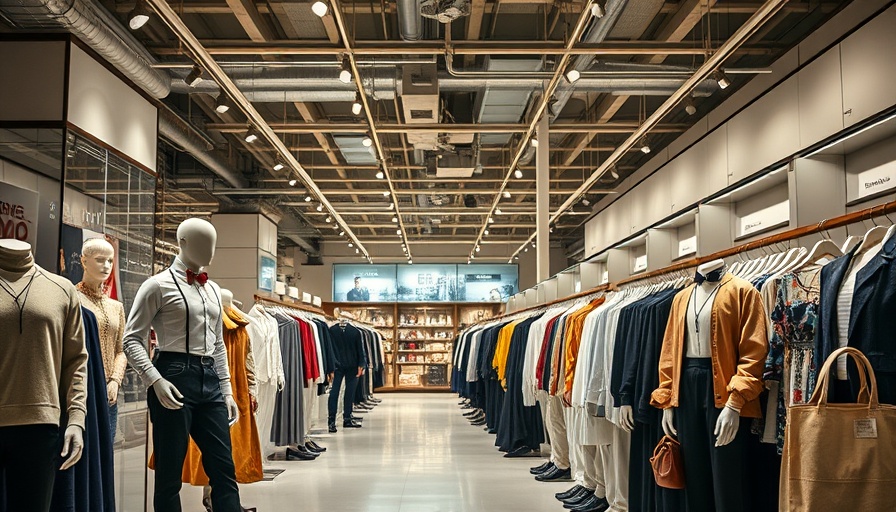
289, 422
521, 425
246, 448
89, 486
265, 342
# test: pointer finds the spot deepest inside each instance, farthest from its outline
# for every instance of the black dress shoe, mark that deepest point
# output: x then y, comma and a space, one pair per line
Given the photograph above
555, 475
569, 493
478, 423
522, 451
545, 470
594, 504
538, 469
316, 447
350, 424
474, 412
491, 430
332, 428
297, 455
301, 449
579, 500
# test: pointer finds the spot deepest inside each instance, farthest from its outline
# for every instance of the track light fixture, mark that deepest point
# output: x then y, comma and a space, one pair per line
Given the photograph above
279, 166
222, 105
586, 202
367, 141
491, 220
518, 174
320, 207
357, 105
320, 8
398, 232
357, 251
485, 232
251, 135
139, 15
380, 175
506, 194
351, 244
645, 147
534, 142
194, 76
598, 10
293, 182
394, 219
307, 199
690, 107
477, 248
328, 219
345, 71
613, 173
342, 233
721, 78
573, 75
497, 211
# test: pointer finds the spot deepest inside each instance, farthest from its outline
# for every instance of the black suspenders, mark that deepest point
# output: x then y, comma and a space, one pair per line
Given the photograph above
186, 307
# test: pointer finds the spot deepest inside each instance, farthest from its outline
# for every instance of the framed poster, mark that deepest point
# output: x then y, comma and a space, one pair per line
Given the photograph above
267, 273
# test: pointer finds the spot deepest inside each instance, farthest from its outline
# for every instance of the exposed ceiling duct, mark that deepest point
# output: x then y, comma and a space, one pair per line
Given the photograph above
410, 25
94, 26
177, 131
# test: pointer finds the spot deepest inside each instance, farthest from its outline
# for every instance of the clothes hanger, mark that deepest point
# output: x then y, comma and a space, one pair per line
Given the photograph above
873, 237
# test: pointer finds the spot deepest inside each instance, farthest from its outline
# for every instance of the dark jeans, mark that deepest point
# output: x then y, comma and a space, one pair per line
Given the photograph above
713, 476
204, 418
29, 457
351, 380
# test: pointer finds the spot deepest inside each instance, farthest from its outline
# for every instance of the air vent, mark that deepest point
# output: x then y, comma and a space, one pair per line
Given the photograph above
423, 114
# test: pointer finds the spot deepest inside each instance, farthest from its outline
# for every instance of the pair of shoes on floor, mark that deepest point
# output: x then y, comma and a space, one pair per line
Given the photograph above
474, 412
580, 494
522, 451
544, 468
591, 503
555, 474
570, 493
478, 422
300, 453
331, 427
351, 424
311, 446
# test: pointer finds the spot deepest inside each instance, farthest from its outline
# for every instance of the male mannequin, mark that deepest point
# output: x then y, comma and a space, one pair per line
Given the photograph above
711, 366
190, 394
97, 259
43, 361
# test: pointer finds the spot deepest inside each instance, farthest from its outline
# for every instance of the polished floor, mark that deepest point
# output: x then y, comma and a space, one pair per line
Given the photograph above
416, 453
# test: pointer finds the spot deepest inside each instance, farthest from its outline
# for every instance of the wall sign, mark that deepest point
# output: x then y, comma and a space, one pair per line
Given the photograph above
640, 264
871, 183
687, 246
766, 219
18, 214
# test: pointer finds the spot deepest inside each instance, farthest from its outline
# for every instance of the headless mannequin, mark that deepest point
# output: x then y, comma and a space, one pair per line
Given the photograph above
698, 345
97, 260
196, 239
15, 279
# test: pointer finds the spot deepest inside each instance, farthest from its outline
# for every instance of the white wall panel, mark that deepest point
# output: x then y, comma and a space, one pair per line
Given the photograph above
765, 132
33, 87
869, 68
236, 229
820, 98
110, 110
650, 201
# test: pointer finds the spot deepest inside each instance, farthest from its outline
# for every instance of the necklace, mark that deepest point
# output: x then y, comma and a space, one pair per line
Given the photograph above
705, 302
7, 287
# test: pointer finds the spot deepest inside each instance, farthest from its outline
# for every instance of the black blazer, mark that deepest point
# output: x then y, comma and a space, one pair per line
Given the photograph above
872, 319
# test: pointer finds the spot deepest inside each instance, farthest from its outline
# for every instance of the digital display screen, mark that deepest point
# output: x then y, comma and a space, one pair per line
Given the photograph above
364, 283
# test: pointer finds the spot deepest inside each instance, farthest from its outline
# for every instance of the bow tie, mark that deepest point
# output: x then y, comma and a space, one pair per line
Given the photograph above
713, 277
200, 278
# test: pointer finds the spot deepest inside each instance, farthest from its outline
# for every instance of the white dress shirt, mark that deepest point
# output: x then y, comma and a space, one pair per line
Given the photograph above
159, 305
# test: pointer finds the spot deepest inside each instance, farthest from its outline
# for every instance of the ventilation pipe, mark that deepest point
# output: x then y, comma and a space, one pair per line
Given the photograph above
177, 131
92, 25
409, 23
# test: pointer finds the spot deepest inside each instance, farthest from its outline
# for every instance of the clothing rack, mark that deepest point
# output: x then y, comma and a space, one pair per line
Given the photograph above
784, 236
295, 305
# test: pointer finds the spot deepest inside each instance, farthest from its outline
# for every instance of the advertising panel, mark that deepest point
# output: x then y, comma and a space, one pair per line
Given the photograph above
364, 283
427, 283
487, 283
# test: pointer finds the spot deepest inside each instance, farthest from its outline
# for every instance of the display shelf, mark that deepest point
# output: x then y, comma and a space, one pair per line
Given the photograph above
412, 326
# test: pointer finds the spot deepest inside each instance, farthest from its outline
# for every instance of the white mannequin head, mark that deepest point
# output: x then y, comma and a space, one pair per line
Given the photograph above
97, 258
18, 251
709, 266
11, 244
197, 239
226, 298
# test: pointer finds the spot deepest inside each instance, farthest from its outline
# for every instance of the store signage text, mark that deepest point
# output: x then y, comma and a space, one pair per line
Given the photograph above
687, 246
15, 226
640, 263
18, 213
484, 277
765, 218
875, 181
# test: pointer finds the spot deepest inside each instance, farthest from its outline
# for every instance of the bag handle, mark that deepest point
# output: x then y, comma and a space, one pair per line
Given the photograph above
820, 395
662, 446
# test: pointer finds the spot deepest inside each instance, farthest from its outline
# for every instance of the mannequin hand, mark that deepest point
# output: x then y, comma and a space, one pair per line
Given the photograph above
233, 412
112, 392
627, 418
360, 371
726, 426
167, 394
668, 425
72, 447
253, 403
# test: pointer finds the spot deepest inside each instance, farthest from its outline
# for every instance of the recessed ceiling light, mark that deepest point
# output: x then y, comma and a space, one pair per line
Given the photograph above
319, 8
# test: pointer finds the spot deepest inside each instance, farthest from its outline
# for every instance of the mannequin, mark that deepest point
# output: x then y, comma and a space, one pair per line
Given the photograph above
42, 353
190, 392
97, 259
711, 365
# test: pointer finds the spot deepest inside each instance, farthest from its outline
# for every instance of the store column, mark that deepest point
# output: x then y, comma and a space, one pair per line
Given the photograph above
542, 201
246, 256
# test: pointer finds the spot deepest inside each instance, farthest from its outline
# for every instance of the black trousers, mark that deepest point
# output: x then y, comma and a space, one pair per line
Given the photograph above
29, 457
350, 376
713, 476
204, 418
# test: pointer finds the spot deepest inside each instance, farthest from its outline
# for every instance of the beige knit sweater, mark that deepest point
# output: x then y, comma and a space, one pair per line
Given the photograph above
43, 357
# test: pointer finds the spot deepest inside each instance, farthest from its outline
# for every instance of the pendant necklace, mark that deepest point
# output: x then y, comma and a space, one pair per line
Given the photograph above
7, 287
705, 302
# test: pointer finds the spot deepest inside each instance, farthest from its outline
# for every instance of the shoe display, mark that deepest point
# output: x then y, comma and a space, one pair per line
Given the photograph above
555, 475
315, 446
297, 455
539, 469
569, 493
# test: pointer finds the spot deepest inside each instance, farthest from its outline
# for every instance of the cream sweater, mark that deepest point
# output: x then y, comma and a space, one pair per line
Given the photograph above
43, 357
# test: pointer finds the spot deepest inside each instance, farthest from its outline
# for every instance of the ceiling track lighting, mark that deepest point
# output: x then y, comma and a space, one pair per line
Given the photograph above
394, 219
345, 71
645, 147
506, 194
279, 166
320, 8
477, 248
380, 175
342, 233
497, 211
222, 104
534, 142
385, 193
367, 141
320, 207
398, 232
139, 16
485, 232
690, 107
573, 75
518, 174
351, 244
329, 219
251, 135
599, 9
194, 76
307, 199
357, 106
293, 182
391, 205
721, 78
491, 220
613, 173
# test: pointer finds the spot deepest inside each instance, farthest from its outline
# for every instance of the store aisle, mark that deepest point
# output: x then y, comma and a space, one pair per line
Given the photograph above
415, 453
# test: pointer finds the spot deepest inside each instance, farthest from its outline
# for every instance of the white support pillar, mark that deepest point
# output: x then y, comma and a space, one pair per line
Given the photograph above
542, 200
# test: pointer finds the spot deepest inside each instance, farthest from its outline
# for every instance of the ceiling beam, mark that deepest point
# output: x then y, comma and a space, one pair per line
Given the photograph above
472, 128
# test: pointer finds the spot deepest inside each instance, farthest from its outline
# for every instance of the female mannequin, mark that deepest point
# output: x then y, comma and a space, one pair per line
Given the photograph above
711, 365
97, 259
43, 361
